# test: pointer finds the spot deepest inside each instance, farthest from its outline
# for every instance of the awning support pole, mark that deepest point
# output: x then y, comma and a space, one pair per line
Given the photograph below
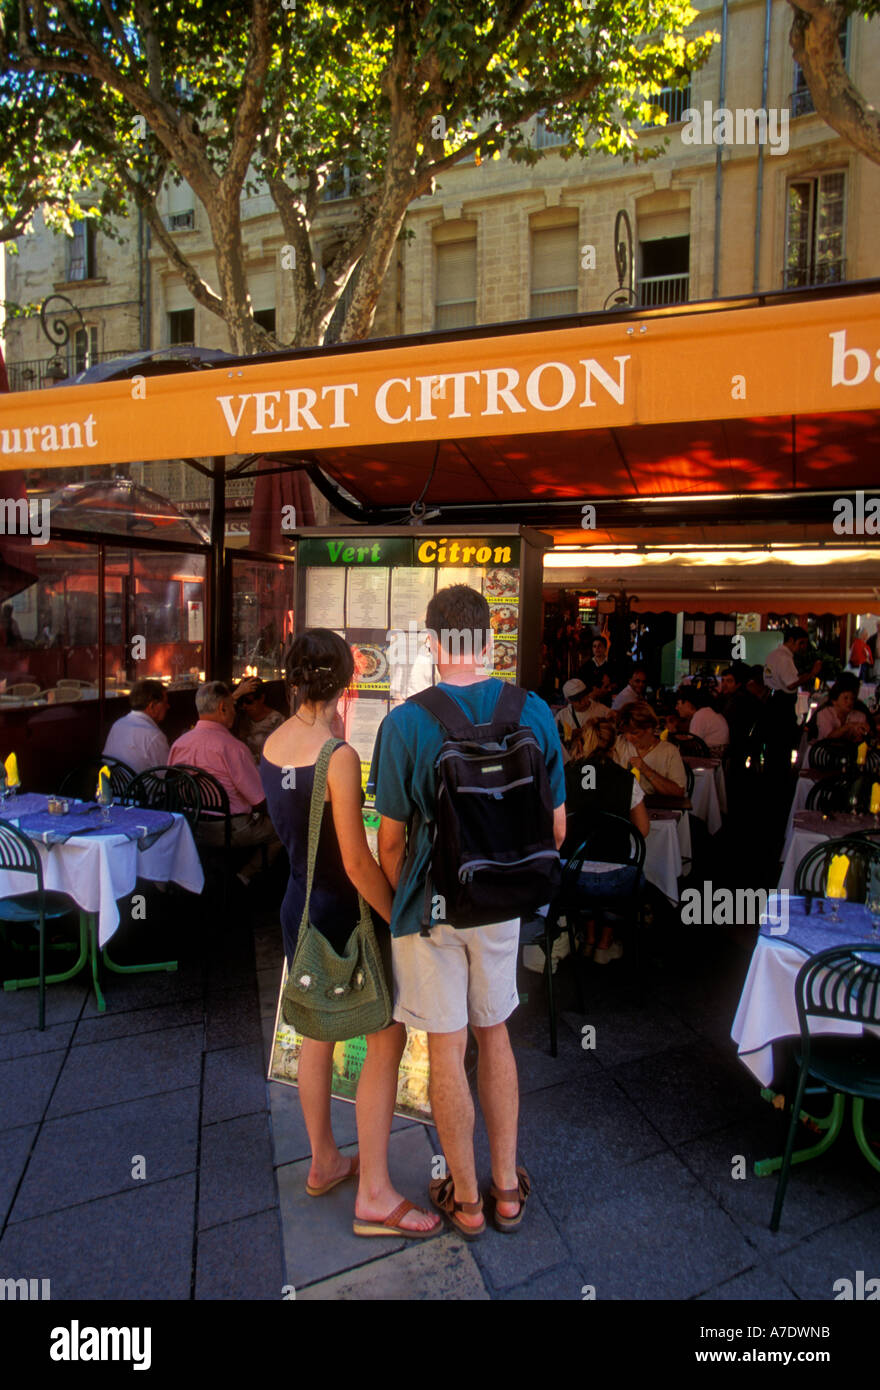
218, 664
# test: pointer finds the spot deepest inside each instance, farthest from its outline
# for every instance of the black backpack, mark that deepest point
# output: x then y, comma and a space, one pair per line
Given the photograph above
493, 854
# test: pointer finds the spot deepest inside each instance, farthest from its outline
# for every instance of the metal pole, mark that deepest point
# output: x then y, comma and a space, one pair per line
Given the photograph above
759, 203
218, 664
102, 643
721, 94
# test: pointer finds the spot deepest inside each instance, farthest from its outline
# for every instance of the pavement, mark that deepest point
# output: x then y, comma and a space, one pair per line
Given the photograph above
144, 1155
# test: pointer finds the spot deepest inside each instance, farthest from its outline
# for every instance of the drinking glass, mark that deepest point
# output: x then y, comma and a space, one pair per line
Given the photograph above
105, 801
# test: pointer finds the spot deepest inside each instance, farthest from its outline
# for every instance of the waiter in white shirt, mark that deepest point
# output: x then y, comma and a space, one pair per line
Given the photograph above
136, 738
783, 680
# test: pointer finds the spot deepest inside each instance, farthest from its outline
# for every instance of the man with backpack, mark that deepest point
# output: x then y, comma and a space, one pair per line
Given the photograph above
470, 787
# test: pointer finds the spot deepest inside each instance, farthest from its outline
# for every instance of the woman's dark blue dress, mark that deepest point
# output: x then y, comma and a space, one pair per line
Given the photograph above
334, 907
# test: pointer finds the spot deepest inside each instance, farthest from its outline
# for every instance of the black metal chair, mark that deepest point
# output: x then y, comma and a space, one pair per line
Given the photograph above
691, 746
564, 905
831, 755
34, 909
165, 789
840, 983
689, 780
811, 874
213, 799
834, 793
82, 782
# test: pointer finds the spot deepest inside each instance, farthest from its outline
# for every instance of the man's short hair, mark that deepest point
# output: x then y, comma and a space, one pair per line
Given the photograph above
461, 614
740, 672
210, 695
603, 640
638, 668
144, 692
795, 634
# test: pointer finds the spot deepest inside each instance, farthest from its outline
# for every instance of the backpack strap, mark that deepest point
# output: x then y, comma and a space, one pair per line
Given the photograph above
447, 712
508, 709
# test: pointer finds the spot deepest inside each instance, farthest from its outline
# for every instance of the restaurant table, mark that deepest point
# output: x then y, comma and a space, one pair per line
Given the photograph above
809, 829
668, 851
767, 1010
97, 866
716, 766
805, 783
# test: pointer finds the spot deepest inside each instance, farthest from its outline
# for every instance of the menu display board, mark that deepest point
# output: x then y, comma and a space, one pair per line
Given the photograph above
374, 589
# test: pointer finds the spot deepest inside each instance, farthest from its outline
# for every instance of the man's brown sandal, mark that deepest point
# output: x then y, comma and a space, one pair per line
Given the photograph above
391, 1226
520, 1194
442, 1193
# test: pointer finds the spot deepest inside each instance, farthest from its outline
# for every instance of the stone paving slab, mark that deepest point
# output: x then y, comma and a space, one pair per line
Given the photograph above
439, 1269
15, 1145
757, 1285
234, 1083
242, 1259
25, 1086
18, 1008
136, 1245
236, 1175
130, 1022
128, 1068
812, 1267
318, 1237
30, 1041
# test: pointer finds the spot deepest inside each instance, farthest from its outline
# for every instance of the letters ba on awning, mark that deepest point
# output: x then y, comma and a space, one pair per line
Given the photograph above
712, 364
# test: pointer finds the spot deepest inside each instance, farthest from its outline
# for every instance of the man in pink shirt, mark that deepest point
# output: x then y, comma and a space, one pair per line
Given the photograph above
212, 747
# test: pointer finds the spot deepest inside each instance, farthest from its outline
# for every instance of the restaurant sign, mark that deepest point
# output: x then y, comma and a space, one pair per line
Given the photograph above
432, 551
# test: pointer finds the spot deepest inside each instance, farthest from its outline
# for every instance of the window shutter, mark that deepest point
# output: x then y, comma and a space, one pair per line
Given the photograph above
554, 270
455, 292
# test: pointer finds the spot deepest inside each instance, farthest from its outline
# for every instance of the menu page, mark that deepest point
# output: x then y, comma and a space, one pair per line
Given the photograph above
362, 720
368, 598
325, 598
411, 591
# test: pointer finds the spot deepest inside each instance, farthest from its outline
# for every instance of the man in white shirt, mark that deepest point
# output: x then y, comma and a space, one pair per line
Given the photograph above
580, 708
635, 690
136, 738
783, 680
703, 721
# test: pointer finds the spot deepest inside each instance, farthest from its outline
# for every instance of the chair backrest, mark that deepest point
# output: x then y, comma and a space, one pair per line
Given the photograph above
833, 793
83, 780
74, 683
65, 694
689, 779
811, 874
609, 839
829, 754
842, 982
23, 690
692, 746
214, 797
165, 789
18, 854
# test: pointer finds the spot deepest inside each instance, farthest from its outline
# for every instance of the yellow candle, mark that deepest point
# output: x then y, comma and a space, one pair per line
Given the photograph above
11, 766
104, 780
837, 871
875, 799
664, 735
635, 773
862, 754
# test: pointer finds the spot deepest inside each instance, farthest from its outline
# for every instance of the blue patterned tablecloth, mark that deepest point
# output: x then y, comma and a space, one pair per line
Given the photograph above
815, 931
84, 818
26, 804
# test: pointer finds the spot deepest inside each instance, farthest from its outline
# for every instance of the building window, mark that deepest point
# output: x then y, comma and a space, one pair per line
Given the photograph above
455, 283
548, 139
85, 349
802, 98
554, 271
674, 101
181, 326
341, 183
265, 318
81, 262
664, 270
815, 231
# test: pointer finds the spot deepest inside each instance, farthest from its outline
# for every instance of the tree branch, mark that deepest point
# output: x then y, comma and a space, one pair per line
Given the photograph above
815, 44
249, 112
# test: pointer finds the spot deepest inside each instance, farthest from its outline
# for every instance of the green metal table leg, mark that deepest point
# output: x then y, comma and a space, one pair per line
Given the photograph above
168, 965
858, 1119
67, 974
831, 1124
93, 941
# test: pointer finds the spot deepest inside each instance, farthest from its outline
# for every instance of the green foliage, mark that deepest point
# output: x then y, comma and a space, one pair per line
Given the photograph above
114, 96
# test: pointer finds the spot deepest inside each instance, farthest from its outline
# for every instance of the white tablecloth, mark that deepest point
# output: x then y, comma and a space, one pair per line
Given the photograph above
767, 1009
667, 845
801, 839
704, 797
95, 870
804, 785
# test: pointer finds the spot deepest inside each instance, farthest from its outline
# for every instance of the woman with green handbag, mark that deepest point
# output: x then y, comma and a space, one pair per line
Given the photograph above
336, 953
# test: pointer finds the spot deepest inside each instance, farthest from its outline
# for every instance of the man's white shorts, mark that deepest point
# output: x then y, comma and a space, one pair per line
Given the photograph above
451, 978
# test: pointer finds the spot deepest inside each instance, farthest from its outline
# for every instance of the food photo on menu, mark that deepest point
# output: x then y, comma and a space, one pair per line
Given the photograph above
370, 665
501, 583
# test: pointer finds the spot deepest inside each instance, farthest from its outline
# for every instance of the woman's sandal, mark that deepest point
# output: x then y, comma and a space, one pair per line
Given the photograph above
391, 1225
520, 1194
442, 1193
329, 1186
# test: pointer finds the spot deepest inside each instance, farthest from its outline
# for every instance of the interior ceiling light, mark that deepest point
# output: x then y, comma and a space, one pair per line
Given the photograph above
595, 558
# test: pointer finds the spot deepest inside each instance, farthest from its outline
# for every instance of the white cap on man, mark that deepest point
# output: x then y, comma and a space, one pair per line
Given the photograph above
573, 688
